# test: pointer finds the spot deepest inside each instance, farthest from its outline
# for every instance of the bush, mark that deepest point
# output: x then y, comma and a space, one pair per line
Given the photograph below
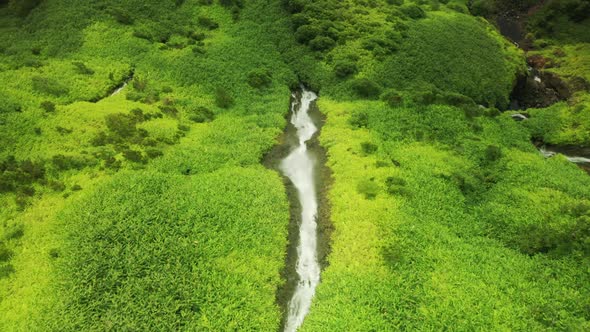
82, 69
322, 43
222, 98
153, 153
57, 186
6, 270
24, 7
368, 188
396, 186
121, 17
368, 147
121, 124
413, 11
63, 163
366, 88
359, 120
306, 33
169, 110
492, 153
202, 114
207, 23
259, 78
5, 253
345, 68
133, 155
49, 86
48, 106
392, 98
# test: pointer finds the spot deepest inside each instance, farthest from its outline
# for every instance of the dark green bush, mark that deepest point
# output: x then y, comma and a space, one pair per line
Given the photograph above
366, 88
202, 114
5, 253
153, 153
6, 270
359, 120
76, 187
49, 86
207, 23
306, 33
222, 98
322, 43
345, 68
368, 147
24, 7
121, 16
14, 232
368, 188
169, 110
259, 78
63, 163
413, 11
392, 98
57, 186
121, 124
63, 131
81, 68
48, 106
396, 186
493, 153
133, 155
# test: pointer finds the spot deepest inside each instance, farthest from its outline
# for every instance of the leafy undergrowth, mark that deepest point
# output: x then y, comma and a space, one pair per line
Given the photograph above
154, 251
449, 222
82, 169
410, 47
562, 123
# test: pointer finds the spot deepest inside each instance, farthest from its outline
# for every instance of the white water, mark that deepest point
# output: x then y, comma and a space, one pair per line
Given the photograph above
119, 89
577, 160
298, 167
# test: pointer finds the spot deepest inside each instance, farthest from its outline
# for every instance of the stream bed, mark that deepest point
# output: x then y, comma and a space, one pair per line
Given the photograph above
301, 160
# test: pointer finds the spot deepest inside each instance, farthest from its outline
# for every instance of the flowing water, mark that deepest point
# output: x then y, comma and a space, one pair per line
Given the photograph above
299, 167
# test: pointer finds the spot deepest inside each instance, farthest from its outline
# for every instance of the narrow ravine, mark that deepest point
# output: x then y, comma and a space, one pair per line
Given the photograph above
299, 167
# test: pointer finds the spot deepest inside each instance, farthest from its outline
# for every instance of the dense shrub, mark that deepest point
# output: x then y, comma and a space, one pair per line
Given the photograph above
49, 86
259, 78
121, 124
368, 189
5, 253
368, 147
202, 114
322, 43
81, 68
366, 88
222, 98
413, 11
48, 106
306, 33
121, 16
207, 23
359, 120
392, 98
345, 68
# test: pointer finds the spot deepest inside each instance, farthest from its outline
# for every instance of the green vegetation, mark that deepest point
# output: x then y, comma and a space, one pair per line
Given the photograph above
450, 219
150, 167
132, 133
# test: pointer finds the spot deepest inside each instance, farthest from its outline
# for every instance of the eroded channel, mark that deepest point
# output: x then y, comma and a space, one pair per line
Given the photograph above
301, 161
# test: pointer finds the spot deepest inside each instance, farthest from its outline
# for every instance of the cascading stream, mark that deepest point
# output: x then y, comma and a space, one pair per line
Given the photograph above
299, 166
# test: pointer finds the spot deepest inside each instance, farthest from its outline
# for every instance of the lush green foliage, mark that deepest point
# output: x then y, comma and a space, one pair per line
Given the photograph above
202, 252
133, 197
192, 124
451, 218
